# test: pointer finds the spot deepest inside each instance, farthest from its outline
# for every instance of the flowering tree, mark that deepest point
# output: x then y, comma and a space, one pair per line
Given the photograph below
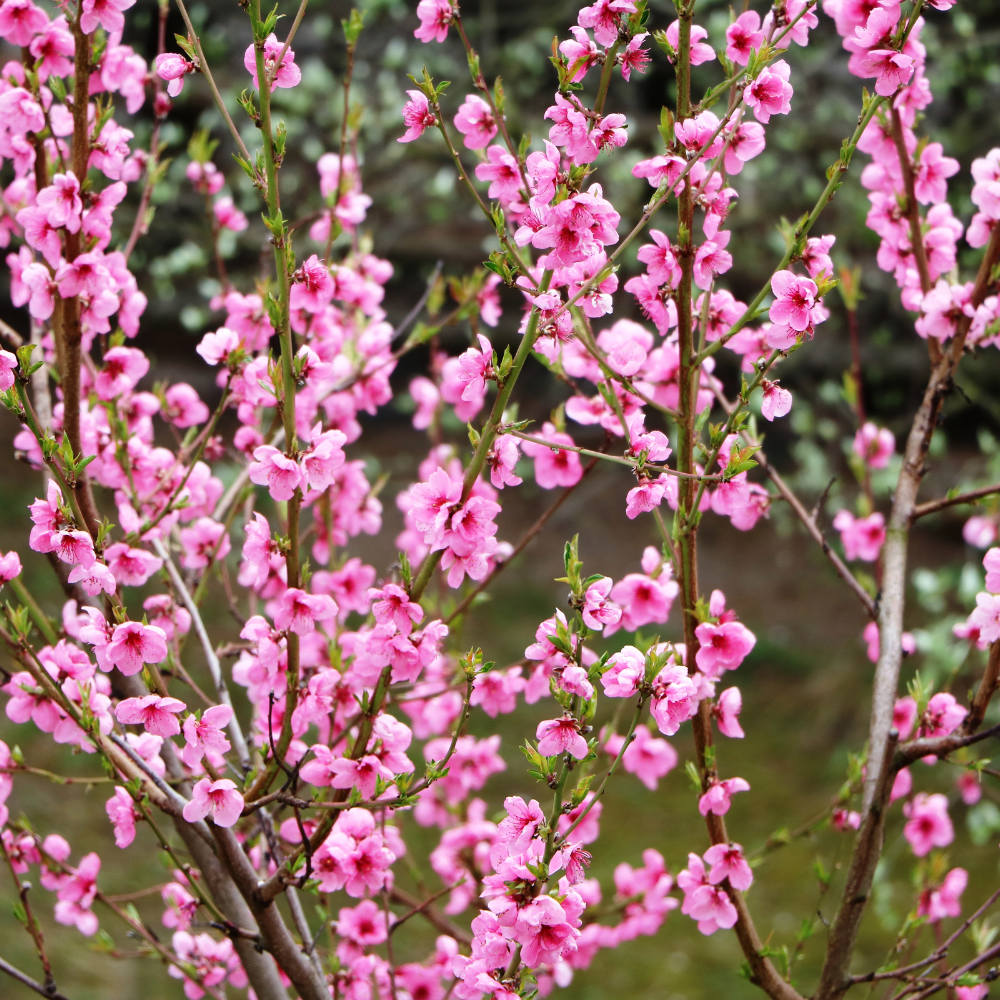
344, 665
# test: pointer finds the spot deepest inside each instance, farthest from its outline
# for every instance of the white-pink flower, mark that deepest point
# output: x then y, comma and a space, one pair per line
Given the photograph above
215, 800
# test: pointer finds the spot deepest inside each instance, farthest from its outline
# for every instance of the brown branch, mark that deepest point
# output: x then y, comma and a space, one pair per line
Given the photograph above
985, 692
422, 907
26, 980
834, 979
938, 746
938, 953
949, 980
431, 915
912, 206
843, 571
933, 506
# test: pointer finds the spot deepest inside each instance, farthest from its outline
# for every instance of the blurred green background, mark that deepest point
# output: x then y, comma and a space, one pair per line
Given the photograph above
805, 686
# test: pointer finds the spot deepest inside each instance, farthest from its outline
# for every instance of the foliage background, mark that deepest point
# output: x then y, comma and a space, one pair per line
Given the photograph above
805, 685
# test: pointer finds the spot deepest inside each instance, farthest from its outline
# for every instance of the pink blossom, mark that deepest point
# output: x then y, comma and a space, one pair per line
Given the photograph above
104, 13
986, 617
771, 93
598, 610
275, 470
157, 715
496, 692
558, 736
969, 787
20, 21
475, 121
647, 757
362, 774
435, 17
204, 542
217, 800
173, 67
121, 811
131, 567
61, 200
727, 711
634, 56
904, 714
675, 699
625, 672
123, 366
743, 36
777, 402
52, 46
554, 466
862, 537
21, 114
708, 904
205, 735
77, 890
991, 563
416, 112
643, 600
717, 799
393, 606
727, 862
323, 458
475, 366
944, 900
298, 611
874, 445
711, 258
795, 299
217, 346
604, 16
522, 820
723, 646
288, 75
929, 824
132, 644
365, 925
700, 51
502, 460
10, 567
943, 715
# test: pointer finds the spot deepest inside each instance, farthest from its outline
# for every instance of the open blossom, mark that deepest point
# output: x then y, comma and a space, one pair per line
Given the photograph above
298, 611
928, 823
794, 299
776, 402
874, 445
435, 17
416, 115
743, 36
132, 644
205, 735
727, 862
287, 75
476, 123
862, 536
157, 715
598, 610
708, 904
723, 646
718, 798
215, 800
121, 812
944, 900
275, 470
771, 93
647, 757
558, 736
